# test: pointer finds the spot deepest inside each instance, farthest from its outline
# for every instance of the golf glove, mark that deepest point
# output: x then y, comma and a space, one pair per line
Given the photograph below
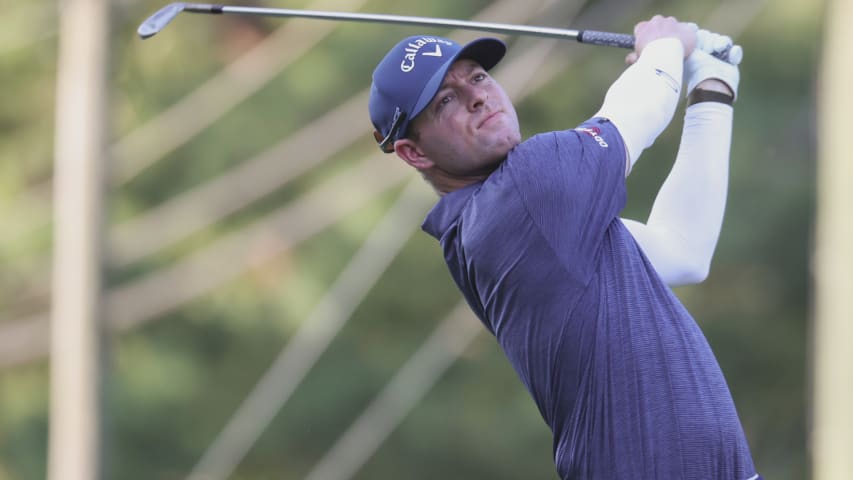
702, 64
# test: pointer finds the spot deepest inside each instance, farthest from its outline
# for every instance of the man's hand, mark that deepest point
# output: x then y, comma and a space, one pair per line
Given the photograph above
662, 27
703, 70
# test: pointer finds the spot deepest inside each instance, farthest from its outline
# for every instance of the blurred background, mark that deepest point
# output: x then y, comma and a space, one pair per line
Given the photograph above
271, 307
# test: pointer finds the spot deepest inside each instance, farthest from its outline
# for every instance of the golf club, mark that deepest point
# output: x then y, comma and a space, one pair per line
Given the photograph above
156, 22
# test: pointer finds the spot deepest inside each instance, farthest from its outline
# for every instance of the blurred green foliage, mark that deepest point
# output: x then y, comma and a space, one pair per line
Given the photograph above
174, 382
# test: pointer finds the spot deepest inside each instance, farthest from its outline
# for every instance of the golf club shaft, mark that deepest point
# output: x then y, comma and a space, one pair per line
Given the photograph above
156, 22
162, 17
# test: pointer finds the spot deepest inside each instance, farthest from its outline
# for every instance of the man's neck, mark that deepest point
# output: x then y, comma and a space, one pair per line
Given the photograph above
444, 182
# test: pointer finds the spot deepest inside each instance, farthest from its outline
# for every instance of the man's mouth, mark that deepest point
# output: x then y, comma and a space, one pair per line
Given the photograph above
491, 116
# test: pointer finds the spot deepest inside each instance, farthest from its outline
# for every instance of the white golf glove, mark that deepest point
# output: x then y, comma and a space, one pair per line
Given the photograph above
702, 64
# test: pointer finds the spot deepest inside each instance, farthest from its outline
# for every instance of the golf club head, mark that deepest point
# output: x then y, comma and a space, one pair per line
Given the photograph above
156, 22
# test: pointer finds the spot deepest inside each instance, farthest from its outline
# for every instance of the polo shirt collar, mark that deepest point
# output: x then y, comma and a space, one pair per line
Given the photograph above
445, 213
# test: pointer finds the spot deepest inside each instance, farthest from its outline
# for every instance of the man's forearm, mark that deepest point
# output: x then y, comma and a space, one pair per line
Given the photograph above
684, 225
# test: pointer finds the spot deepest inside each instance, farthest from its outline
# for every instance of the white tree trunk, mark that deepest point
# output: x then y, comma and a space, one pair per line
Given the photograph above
832, 436
80, 145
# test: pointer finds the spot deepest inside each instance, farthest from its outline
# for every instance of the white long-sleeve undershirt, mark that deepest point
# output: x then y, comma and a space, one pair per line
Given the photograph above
684, 225
681, 233
642, 101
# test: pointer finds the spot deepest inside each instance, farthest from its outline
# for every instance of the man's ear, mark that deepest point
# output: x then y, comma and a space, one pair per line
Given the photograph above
412, 154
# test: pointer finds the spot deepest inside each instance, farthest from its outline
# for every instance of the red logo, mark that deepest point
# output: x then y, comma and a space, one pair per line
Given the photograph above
595, 133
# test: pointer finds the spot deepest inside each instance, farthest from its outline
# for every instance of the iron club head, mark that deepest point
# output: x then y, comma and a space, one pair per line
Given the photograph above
156, 22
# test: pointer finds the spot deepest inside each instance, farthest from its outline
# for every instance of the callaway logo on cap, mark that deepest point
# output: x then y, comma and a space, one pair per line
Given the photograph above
409, 76
414, 47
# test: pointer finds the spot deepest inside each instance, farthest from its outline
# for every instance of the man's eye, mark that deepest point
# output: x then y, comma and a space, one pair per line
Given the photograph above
444, 101
479, 77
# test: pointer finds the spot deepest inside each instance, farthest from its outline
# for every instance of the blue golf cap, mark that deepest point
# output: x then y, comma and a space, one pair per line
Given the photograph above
411, 73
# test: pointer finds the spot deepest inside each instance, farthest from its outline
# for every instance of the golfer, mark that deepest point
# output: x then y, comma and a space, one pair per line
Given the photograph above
577, 297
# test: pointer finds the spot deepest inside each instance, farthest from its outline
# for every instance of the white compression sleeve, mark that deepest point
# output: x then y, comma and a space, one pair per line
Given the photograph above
642, 101
684, 225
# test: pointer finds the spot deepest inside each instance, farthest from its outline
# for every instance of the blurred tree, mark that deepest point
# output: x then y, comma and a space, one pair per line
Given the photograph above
832, 436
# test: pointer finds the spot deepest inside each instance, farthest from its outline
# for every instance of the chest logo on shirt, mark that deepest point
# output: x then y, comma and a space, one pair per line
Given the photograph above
595, 133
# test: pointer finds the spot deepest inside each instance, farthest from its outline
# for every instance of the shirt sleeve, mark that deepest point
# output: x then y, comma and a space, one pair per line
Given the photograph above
572, 184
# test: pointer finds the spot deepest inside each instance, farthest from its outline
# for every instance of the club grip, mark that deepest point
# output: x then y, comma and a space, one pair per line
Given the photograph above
606, 39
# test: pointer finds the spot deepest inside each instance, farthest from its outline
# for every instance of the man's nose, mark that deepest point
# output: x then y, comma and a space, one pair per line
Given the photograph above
477, 97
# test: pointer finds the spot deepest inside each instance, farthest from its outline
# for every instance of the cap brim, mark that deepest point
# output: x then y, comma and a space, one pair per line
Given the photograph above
486, 51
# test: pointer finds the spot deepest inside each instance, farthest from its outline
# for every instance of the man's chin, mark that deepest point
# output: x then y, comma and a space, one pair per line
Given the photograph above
490, 166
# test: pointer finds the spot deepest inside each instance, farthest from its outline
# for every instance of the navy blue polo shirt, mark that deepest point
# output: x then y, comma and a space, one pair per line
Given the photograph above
619, 369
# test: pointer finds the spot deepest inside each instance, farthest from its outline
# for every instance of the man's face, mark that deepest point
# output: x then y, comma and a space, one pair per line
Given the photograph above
470, 125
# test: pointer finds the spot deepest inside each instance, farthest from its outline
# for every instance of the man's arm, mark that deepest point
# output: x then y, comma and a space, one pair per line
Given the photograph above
642, 101
681, 233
